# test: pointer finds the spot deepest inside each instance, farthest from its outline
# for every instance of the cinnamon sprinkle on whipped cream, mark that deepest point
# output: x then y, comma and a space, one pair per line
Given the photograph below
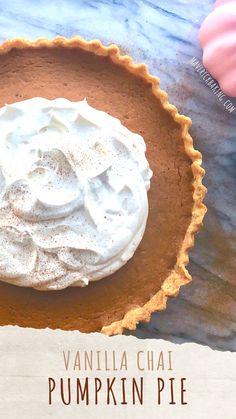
73, 193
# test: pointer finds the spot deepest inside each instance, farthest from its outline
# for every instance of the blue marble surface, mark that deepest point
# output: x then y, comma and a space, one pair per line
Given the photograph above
164, 34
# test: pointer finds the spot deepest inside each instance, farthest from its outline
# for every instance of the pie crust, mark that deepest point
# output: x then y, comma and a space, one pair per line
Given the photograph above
112, 82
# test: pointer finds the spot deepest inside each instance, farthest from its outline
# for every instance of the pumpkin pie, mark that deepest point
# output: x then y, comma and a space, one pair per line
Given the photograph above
75, 69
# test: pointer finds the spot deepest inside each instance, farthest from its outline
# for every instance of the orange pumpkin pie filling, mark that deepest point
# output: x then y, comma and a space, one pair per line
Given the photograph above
75, 69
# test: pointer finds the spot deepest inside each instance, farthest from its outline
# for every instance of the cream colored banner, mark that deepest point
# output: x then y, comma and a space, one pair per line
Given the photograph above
56, 374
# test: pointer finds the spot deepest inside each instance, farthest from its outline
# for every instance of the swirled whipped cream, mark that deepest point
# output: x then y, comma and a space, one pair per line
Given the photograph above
73, 193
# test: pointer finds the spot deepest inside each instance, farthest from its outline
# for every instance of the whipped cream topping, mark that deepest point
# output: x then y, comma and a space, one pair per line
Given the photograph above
73, 193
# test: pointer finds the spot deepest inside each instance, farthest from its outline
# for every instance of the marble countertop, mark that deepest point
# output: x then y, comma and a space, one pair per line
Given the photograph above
163, 34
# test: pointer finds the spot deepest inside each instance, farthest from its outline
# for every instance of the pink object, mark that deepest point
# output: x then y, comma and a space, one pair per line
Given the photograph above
218, 40
220, 2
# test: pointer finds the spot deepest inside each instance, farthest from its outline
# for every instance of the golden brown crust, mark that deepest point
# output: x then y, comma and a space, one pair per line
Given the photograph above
179, 275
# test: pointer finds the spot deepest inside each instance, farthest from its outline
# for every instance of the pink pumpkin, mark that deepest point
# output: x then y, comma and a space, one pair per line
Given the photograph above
218, 40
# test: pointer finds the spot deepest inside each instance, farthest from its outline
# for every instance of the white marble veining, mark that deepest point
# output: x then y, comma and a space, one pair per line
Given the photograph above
163, 34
